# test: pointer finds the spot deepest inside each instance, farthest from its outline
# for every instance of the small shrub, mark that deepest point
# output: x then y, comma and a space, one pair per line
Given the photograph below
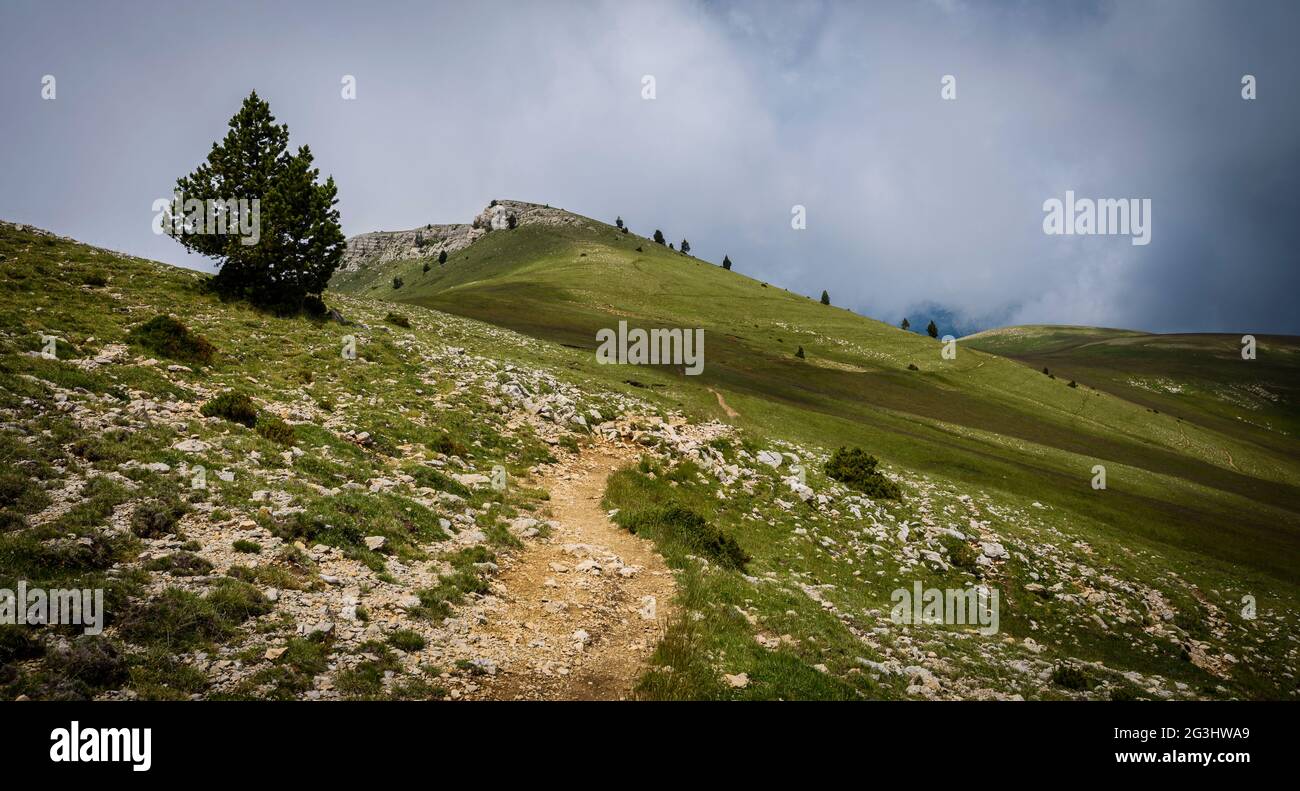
445, 444
406, 640
397, 282
275, 429
1071, 677
398, 319
246, 546
95, 280
960, 554
233, 406
17, 643
93, 660
168, 337
156, 518
856, 469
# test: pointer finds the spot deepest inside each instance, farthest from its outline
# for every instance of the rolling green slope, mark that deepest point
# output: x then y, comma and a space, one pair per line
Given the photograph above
980, 419
1198, 378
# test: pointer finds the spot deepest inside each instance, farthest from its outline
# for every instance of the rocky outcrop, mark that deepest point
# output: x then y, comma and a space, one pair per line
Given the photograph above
380, 247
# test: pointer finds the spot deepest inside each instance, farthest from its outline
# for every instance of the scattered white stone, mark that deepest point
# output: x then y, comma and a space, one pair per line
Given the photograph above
647, 608
485, 665
993, 549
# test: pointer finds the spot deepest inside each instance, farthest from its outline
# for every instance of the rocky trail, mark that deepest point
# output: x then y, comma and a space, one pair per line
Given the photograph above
583, 608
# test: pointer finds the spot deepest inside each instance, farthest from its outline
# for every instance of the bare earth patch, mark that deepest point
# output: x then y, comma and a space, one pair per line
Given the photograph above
722, 402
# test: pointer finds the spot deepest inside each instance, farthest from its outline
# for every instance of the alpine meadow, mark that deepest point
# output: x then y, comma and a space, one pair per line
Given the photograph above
723, 351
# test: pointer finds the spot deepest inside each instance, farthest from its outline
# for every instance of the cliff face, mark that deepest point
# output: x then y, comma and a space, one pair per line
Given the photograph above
378, 247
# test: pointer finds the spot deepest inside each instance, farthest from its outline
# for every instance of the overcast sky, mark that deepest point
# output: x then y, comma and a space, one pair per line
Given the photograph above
911, 199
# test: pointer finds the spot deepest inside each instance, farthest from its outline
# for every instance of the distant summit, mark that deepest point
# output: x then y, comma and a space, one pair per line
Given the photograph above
381, 247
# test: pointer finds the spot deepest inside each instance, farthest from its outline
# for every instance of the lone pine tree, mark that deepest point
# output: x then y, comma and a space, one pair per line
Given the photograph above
298, 242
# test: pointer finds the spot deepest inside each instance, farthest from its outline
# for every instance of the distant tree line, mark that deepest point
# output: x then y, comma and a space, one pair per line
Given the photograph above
659, 238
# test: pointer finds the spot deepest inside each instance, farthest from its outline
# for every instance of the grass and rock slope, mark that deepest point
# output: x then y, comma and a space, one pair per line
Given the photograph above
1203, 513
270, 515
347, 540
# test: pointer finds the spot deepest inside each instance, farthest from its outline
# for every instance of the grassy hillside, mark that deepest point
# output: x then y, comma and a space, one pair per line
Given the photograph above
337, 530
1197, 378
1205, 514
346, 545
980, 419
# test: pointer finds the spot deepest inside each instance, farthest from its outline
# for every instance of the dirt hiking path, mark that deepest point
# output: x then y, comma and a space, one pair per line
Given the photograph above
583, 608
722, 402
